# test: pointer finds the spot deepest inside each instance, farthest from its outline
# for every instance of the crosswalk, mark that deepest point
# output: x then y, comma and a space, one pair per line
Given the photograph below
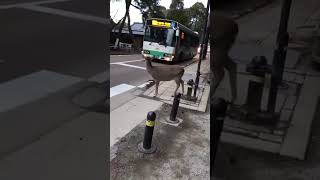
37, 85
32, 87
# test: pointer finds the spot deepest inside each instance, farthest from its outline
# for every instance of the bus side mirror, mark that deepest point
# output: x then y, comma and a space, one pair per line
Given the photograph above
177, 32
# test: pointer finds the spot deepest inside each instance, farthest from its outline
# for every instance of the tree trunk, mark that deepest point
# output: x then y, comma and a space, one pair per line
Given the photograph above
120, 30
134, 44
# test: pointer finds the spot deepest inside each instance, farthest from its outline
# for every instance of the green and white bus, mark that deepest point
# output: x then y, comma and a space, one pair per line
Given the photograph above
169, 40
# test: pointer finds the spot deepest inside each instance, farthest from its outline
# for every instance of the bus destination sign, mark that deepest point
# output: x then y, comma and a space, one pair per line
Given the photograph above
161, 23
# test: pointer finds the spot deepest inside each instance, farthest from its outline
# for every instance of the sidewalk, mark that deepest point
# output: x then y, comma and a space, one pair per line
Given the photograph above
182, 152
245, 149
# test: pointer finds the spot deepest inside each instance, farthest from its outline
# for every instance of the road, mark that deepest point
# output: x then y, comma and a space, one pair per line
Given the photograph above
129, 71
63, 36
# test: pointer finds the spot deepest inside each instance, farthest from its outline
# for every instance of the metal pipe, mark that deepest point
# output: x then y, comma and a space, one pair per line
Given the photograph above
279, 56
148, 133
175, 107
201, 50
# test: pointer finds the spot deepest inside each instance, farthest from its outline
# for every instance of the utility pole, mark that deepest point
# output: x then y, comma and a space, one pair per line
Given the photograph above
279, 55
204, 32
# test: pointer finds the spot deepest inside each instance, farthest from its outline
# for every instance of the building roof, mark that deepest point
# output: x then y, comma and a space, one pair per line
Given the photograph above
137, 29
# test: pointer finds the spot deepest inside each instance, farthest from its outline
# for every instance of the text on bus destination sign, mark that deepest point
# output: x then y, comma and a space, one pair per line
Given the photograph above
161, 23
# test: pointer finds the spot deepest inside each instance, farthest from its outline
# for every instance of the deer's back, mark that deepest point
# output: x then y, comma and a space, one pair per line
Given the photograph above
166, 73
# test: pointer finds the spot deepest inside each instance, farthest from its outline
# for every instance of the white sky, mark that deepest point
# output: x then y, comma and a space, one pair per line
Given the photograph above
117, 9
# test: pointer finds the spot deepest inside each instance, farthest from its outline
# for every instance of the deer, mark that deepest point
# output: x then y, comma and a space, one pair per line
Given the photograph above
165, 73
223, 32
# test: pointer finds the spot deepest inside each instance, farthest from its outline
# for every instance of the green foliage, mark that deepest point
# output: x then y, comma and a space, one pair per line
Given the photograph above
150, 9
176, 5
177, 13
193, 17
196, 16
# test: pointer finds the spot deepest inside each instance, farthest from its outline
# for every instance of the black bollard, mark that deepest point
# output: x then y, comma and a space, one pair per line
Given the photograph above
218, 108
146, 146
175, 107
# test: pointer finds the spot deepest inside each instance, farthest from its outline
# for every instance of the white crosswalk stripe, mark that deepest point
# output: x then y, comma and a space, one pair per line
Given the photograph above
130, 65
64, 13
120, 89
32, 87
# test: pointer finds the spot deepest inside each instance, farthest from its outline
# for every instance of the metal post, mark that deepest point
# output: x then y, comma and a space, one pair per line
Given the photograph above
218, 108
201, 50
146, 146
175, 107
279, 56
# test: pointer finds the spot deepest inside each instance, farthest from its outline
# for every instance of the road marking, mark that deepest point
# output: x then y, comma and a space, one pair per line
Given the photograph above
120, 89
32, 3
129, 65
143, 85
32, 87
64, 13
128, 61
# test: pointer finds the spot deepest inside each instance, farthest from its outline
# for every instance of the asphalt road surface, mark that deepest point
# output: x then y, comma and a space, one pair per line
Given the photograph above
64, 36
129, 70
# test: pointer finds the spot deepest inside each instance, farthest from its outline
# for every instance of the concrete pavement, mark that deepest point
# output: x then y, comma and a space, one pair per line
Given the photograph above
53, 89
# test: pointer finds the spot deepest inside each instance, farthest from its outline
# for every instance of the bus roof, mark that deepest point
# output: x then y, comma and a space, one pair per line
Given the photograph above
179, 25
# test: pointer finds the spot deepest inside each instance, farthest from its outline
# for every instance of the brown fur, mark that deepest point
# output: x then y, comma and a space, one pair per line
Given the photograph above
223, 33
166, 73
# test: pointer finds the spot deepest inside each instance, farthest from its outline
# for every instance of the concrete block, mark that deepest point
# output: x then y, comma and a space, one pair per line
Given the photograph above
240, 131
252, 143
292, 58
290, 102
280, 101
279, 132
247, 126
299, 79
271, 137
297, 137
288, 77
285, 115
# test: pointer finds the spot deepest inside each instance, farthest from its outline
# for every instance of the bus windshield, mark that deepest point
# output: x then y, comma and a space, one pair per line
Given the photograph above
163, 36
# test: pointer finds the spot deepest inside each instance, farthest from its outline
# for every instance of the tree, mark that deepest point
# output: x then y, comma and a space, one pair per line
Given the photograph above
197, 16
149, 9
176, 5
125, 17
177, 13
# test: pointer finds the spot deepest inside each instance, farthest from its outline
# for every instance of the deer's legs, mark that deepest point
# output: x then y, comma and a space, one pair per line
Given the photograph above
218, 73
232, 70
157, 85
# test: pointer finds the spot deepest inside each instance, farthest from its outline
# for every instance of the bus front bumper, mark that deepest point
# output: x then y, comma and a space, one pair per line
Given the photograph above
153, 57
